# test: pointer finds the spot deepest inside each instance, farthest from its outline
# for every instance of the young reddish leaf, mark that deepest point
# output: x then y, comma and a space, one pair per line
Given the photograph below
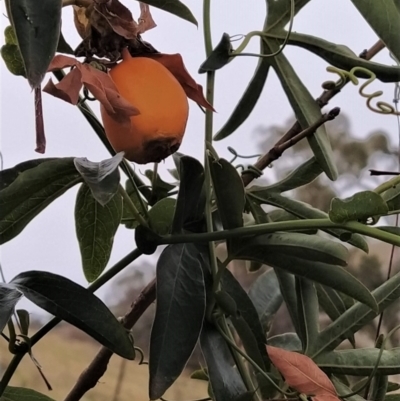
99, 83
302, 373
146, 21
174, 63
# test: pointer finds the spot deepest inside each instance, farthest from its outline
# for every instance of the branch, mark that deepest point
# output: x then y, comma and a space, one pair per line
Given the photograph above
322, 101
91, 375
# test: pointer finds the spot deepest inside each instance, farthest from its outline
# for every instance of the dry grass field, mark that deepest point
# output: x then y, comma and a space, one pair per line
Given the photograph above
63, 358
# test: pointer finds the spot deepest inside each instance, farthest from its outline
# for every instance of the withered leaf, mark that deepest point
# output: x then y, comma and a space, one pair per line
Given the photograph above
174, 63
146, 21
97, 82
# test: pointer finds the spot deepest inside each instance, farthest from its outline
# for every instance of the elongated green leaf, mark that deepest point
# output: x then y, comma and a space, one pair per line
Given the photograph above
358, 315
191, 196
266, 297
288, 291
8, 176
33, 190
76, 305
161, 216
332, 276
37, 27
308, 313
23, 394
24, 320
392, 197
392, 397
302, 175
390, 229
181, 304
305, 211
282, 215
342, 389
101, 177
174, 7
229, 192
287, 341
333, 305
226, 383
359, 207
249, 98
384, 19
160, 188
308, 247
128, 219
379, 387
278, 13
360, 362
96, 226
13, 60
339, 56
247, 311
219, 57
306, 109
9, 297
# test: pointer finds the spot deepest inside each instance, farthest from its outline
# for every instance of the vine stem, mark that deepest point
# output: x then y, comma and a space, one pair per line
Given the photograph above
290, 225
132, 206
103, 279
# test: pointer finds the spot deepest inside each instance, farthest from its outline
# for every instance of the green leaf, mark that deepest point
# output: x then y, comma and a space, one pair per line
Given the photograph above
128, 219
33, 190
304, 211
360, 362
160, 189
302, 175
102, 178
392, 397
96, 226
297, 245
249, 98
12, 59
339, 56
332, 276
24, 320
76, 305
219, 57
266, 297
8, 176
174, 7
306, 110
359, 207
342, 389
181, 304
191, 196
225, 380
308, 313
358, 315
229, 192
9, 297
287, 341
384, 19
278, 13
333, 305
392, 198
146, 240
161, 216
37, 28
23, 394
390, 229
254, 341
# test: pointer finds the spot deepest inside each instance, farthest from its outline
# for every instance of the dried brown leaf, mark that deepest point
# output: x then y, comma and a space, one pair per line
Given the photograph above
174, 63
97, 82
146, 21
81, 21
302, 373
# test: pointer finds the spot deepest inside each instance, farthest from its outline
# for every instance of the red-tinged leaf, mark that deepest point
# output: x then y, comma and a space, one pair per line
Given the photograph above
40, 135
301, 373
174, 63
326, 397
99, 84
146, 21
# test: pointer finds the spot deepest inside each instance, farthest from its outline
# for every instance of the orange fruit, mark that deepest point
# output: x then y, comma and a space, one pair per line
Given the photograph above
158, 130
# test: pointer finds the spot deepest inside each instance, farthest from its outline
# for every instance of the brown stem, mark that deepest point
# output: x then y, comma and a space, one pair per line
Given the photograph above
322, 101
91, 375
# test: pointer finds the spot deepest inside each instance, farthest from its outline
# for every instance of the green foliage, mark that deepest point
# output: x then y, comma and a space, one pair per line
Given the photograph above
199, 300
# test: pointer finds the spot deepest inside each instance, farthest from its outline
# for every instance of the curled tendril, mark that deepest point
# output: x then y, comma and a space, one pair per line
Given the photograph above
86, 95
247, 38
141, 353
344, 76
256, 172
236, 154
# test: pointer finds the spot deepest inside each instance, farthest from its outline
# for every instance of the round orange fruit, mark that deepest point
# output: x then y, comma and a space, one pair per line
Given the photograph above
157, 131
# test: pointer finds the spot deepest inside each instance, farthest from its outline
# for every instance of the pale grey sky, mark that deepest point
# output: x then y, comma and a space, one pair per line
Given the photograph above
48, 242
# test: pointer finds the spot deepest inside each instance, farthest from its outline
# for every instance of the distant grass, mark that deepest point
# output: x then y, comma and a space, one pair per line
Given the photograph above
63, 359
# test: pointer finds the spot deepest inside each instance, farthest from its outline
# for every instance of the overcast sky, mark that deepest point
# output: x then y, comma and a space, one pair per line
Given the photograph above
48, 242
